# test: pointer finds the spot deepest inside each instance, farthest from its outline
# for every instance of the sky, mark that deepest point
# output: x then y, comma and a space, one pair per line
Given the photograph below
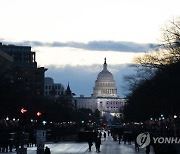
72, 37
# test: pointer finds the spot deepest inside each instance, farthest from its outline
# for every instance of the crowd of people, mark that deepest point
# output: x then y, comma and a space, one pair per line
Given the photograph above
158, 128
13, 136
127, 134
97, 141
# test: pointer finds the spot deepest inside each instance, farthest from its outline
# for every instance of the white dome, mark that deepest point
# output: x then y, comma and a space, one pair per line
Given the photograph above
105, 84
105, 75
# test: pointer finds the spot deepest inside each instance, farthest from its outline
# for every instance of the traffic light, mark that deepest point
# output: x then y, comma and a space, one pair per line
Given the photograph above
39, 118
23, 119
23, 110
44, 122
38, 114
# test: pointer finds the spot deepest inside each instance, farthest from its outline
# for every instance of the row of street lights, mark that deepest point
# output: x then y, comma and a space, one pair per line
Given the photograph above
162, 117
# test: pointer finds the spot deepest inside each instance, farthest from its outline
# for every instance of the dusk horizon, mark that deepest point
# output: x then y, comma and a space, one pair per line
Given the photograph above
90, 76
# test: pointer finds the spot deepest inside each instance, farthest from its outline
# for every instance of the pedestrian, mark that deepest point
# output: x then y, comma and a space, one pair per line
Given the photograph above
135, 141
47, 150
136, 146
108, 132
90, 144
100, 134
104, 136
119, 137
120, 133
147, 149
98, 144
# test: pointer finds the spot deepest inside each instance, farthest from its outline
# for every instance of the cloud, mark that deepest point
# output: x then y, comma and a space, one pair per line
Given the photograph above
93, 45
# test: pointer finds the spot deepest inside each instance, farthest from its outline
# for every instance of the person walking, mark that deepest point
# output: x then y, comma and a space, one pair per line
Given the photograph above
47, 150
98, 144
104, 136
147, 149
100, 134
108, 132
136, 133
119, 137
90, 144
136, 146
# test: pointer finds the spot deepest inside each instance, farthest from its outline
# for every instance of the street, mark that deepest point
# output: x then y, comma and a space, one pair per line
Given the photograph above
107, 147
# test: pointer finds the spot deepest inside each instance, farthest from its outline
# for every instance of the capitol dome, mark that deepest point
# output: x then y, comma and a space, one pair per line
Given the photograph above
105, 84
105, 75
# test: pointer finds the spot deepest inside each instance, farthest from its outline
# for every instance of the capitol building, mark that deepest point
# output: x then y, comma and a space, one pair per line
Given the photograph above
104, 97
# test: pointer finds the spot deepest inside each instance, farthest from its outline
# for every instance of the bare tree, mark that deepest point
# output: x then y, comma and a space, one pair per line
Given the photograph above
132, 81
168, 53
169, 49
171, 39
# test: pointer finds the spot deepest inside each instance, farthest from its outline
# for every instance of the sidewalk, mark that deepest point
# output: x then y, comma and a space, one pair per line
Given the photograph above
108, 147
113, 147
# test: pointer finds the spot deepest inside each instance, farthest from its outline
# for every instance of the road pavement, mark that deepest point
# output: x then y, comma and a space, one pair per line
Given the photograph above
107, 147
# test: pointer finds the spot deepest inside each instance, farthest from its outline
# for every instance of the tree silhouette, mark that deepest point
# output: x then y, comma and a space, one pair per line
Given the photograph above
156, 93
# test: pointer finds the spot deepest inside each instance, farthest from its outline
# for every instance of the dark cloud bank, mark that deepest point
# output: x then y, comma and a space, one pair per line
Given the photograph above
93, 45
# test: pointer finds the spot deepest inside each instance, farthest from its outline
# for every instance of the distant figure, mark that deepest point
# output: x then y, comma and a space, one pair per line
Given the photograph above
147, 149
119, 137
136, 146
47, 150
135, 141
90, 144
109, 132
120, 133
104, 136
100, 134
98, 144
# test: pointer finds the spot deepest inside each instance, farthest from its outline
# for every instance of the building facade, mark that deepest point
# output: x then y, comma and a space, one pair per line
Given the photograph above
25, 68
51, 88
6, 62
104, 97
